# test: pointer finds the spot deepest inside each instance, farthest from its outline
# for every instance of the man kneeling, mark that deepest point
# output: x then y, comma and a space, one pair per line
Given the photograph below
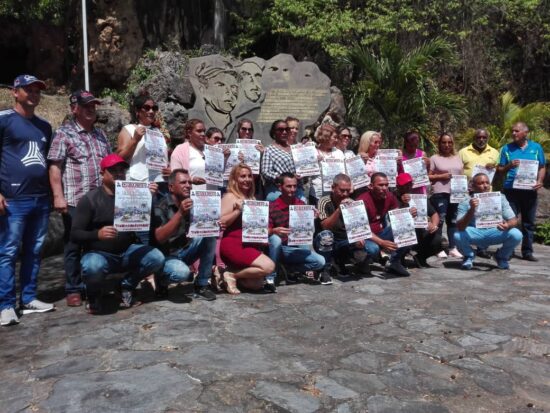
105, 249
170, 223
468, 234
300, 258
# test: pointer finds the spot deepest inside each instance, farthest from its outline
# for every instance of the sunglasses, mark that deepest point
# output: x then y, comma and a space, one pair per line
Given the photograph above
217, 138
147, 108
247, 129
345, 135
282, 130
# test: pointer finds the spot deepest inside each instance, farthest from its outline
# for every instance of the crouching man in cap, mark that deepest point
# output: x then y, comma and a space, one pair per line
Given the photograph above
105, 249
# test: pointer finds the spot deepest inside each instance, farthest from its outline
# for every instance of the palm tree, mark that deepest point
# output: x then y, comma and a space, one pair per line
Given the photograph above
399, 88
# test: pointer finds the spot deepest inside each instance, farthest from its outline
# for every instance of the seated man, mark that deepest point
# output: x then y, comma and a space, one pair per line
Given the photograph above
297, 258
170, 223
378, 201
105, 249
332, 241
467, 234
429, 239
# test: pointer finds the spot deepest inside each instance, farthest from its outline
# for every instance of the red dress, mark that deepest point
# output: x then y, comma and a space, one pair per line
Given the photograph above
232, 250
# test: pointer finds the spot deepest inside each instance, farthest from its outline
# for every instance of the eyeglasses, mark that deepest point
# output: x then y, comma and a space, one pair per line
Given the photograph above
247, 129
217, 138
147, 108
282, 130
345, 136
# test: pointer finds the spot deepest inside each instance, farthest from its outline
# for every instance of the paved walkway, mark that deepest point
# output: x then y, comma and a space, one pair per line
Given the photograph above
443, 340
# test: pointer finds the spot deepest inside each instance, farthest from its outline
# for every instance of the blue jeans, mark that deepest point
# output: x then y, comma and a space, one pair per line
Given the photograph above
524, 203
25, 222
297, 257
373, 250
71, 256
138, 260
272, 193
176, 266
485, 237
447, 213
329, 247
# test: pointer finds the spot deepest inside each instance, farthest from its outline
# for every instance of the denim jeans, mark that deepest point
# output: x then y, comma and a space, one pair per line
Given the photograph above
297, 257
485, 237
524, 203
176, 267
447, 214
373, 250
25, 222
71, 256
138, 260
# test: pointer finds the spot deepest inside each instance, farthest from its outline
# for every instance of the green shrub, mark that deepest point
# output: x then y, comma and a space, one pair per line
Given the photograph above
542, 233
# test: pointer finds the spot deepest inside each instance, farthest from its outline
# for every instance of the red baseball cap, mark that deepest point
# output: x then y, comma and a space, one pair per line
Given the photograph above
403, 179
112, 160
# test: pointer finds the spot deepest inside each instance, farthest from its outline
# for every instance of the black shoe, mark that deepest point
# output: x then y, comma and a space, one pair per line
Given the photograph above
204, 292
397, 269
269, 287
325, 277
530, 257
93, 305
421, 261
483, 254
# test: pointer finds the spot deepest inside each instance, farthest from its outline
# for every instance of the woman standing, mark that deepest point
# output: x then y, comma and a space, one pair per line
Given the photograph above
342, 143
326, 138
294, 128
369, 144
190, 154
442, 167
410, 151
248, 262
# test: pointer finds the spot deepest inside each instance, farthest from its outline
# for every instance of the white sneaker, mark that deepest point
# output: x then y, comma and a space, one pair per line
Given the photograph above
455, 253
8, 317
37, 306
442, 254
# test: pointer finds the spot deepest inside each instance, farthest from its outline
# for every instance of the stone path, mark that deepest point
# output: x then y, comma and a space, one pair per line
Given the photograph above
443, 340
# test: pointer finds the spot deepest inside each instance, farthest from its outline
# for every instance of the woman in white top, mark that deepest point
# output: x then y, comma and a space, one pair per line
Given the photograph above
189, 155
343, 141
131, 140
326, 138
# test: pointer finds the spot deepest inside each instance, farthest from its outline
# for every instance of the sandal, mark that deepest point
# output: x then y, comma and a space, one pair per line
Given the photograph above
216, 279
230, 283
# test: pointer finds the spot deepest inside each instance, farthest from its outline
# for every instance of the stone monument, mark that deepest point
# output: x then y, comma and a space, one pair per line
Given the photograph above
263, 91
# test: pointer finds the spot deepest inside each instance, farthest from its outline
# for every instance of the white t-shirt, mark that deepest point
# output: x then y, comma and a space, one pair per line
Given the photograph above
138, 168
197, 166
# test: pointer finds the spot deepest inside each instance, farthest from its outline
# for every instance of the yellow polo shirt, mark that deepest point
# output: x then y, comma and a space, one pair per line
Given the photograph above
471, 157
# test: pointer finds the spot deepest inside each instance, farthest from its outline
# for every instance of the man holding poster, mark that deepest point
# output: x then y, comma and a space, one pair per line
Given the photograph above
522, 201
283, 230
504, 233
171, 223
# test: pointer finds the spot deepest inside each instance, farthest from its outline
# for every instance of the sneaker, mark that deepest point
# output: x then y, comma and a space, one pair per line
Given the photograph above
93, 305
325, 277
397, 268
204, 292
501, 262
441, 254
127, 298
467, 263
530, 257
455, 253
37, 306
8, 317
269, 286
420, 261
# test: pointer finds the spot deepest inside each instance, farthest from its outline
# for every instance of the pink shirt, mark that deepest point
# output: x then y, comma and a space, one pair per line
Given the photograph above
445, 164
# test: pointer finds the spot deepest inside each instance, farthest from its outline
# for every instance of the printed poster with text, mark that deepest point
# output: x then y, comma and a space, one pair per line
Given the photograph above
357, 171
420, 202
387, 165
416, 168
300, 223
205, 214
255, 221
251, 155
156, 154
232, 160
489, 210
305, 159
459, 189
480, 169
356, 221
214, 165
132, 206
402, 226
331, 167
526, 174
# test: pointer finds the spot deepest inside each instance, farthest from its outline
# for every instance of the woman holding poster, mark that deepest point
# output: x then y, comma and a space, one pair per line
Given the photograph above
442, 167
410, 151
244, 262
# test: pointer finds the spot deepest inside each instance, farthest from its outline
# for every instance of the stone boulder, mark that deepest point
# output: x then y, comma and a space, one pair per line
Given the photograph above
111, 117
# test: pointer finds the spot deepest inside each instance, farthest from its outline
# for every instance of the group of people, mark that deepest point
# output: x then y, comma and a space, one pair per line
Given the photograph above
77, 169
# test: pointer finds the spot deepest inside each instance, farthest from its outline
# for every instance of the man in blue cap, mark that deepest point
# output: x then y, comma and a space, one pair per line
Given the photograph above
24, 197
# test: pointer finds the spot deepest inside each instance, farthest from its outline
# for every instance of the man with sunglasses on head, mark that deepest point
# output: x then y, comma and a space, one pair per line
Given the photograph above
75, 155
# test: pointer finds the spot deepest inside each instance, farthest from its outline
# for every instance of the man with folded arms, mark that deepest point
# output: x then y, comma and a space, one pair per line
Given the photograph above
105, 249
467, 234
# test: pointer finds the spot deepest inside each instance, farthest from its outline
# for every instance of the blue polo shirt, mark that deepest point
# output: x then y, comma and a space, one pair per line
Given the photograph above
532, 151
24, 144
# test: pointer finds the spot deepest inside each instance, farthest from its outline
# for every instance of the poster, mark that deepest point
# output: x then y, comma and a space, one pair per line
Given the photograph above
232, 160
357, 171
480, 169
156, 154
331, 167
205, 214
420, 202
402, 225
301, 224
132, 206
392, 153
489, 211
416, 168
387, 165
305, 159
251, 155
356, 221
526, 174
255, 221
459, 189
213, 165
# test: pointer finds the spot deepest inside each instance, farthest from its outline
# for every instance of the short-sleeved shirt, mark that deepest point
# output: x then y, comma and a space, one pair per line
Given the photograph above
24, 144
326, 208
471, 157
275, 161
532, 151
445, 164
377, 209
81, 153
279, 214
464, 206
163, 211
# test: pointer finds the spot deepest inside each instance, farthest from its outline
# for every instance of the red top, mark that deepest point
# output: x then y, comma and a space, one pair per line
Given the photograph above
278, 214
377, 209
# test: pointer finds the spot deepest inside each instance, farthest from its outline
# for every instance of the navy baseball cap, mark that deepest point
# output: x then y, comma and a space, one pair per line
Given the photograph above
26, 80
83, 97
